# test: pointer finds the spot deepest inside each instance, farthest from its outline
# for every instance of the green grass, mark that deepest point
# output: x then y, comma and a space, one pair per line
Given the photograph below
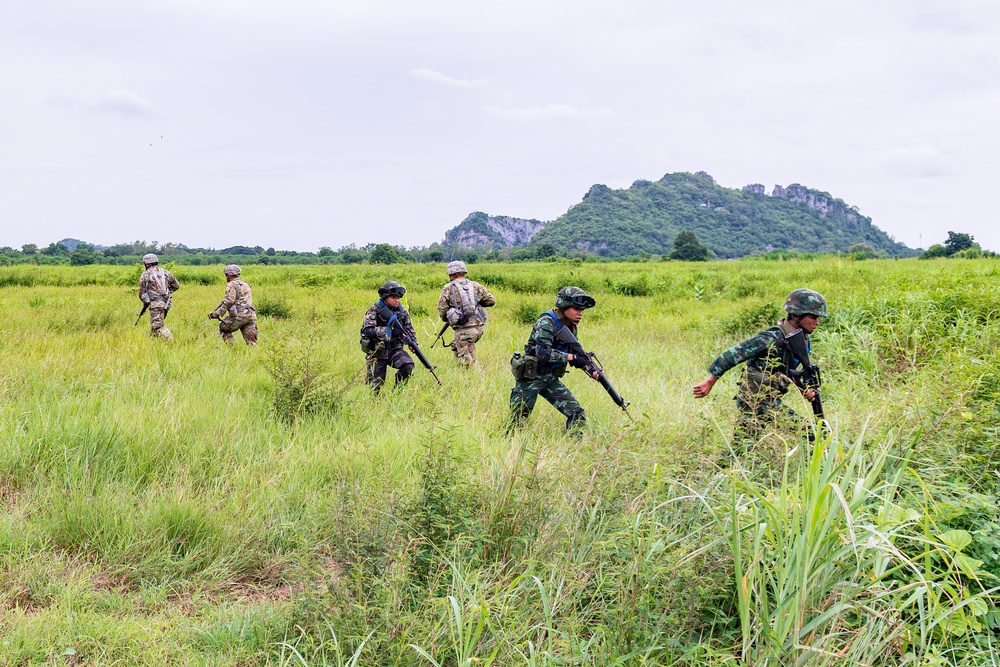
189, 503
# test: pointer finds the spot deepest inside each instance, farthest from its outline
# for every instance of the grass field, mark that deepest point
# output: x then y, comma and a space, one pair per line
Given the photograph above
193, 504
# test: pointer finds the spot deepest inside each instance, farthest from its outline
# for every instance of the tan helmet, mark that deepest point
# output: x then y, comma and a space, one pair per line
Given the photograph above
150, 258
457, 267
232, 270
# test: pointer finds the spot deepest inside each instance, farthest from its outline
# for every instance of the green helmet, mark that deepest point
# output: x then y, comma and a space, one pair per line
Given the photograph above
806, 302
391, 288
574, 297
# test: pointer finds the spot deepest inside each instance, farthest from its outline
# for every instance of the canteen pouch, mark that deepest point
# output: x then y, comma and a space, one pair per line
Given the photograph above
523, 366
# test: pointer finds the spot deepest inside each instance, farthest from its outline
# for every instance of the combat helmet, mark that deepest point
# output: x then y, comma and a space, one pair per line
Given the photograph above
232, 270
150, 258
391, 288
805, 302
457, 267
574, 297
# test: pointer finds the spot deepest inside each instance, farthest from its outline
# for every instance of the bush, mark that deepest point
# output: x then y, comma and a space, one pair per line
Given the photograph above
274, 307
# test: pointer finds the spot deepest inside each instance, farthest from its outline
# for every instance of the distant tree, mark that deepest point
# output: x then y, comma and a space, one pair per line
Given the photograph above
957, 242
29, 249
936, 250
472, 257
270, 252
325, 251
545, 250
434, 256
862, 251
83, 254
383, 253
688, 248
54, 249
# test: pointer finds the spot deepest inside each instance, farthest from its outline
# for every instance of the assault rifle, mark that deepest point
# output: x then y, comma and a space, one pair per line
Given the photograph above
440, 336
590, 364
142, 312
807, 378
396, 329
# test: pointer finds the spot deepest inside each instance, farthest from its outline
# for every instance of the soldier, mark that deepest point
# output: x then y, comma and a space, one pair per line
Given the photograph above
769, 360
461, 306
238, 302
156, 288
381, 347
544, 362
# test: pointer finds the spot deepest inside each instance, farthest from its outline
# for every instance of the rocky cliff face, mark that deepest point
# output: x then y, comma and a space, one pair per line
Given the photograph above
821, 202
480, 230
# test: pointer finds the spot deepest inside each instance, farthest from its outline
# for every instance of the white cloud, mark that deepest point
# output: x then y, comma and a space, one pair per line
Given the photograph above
439, 79
128, 104
549, 112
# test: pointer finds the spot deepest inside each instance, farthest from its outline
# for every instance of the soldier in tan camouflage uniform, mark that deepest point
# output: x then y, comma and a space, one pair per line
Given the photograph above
461, 306
156, 287
238, 302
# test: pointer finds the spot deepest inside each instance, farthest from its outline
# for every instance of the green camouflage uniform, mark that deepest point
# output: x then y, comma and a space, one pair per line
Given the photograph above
765, 381
242, 316
466, 316
156, 287
551, 366
388, 350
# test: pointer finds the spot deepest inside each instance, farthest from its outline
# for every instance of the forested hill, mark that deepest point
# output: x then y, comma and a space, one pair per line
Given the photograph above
732, 223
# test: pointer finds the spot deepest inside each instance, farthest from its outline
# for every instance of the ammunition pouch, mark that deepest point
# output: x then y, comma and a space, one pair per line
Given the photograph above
755, 383
369, 345
560, 370
524, 366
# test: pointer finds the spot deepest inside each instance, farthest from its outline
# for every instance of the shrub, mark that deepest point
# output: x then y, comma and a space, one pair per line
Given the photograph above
274, 307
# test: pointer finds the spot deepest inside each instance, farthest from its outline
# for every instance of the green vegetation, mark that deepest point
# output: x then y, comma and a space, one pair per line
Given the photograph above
958, 245
731, 223
189, 503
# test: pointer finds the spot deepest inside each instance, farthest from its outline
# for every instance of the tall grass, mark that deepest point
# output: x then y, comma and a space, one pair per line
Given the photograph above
167, 504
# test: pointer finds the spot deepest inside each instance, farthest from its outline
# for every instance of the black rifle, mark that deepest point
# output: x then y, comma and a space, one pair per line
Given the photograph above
807, 378
142, 312
440, 336
590, 364
396, 329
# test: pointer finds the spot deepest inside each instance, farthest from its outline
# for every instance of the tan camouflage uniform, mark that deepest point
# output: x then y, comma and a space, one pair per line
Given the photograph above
156, 286
461, 305
242, 316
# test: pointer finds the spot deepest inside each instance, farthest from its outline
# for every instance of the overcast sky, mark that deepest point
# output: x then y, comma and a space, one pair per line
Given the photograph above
304, 123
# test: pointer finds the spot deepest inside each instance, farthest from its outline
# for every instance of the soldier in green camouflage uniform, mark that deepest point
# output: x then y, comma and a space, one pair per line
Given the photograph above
382, 349
552, 359
461, 305
156, 289
768, 360
238, 303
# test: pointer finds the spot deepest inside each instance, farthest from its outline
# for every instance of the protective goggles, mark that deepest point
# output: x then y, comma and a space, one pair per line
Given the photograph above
581, 301
393, 291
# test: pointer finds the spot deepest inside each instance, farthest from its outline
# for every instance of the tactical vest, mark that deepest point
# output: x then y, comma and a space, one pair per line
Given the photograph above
243, 306
465, 301
156, 285
768, 371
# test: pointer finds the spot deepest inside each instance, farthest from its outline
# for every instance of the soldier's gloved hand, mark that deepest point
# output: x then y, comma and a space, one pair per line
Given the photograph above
579, 362
213, 316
